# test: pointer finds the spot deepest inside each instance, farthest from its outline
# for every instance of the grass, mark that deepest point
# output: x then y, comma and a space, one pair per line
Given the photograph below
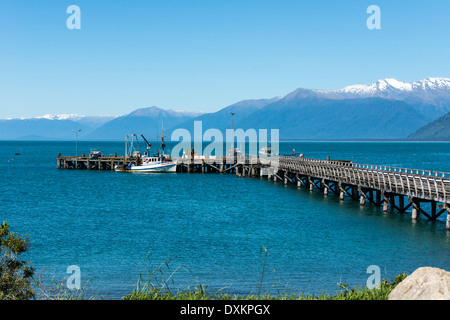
47, 288
158, 286
200, 293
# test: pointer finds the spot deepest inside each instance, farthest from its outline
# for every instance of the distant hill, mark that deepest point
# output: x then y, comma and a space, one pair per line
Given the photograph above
222, 119
49, 127
438, 130
313, 118
146, 121
39, 129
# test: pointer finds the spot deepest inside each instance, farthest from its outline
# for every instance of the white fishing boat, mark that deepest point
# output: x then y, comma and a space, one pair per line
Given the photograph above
154, 164
157, 163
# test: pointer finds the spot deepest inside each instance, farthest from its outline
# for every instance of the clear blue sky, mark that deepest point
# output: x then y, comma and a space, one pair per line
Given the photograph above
205, 55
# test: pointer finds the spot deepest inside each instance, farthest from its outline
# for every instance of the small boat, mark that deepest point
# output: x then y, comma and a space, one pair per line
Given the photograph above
266, 152
154, 164
234, 153
158, 163
95, 154
266, 155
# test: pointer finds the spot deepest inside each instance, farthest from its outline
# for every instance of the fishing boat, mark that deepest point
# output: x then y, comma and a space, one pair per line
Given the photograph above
155, 163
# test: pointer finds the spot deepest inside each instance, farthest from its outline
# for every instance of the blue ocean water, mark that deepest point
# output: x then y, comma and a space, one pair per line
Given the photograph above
211, 228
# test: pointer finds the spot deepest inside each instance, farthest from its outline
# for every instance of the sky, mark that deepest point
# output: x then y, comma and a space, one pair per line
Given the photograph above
205, 55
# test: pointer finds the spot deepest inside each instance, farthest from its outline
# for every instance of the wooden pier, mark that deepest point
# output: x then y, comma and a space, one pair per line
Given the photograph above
425, 192
397, 188
90, 163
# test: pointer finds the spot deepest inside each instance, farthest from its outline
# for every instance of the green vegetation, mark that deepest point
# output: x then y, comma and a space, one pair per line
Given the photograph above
158, 286
151, 292
16, 275
17, 282
50, 289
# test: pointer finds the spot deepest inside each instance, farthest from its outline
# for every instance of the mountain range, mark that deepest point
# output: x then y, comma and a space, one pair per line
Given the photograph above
437, 130
49, 127
386, 109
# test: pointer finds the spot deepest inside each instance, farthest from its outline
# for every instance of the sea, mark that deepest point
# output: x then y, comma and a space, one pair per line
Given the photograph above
226, 233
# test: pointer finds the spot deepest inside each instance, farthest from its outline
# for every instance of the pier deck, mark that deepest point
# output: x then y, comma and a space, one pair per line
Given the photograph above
90, 163
396, 188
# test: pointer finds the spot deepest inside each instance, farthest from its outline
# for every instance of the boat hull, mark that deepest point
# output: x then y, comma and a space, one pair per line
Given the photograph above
155, 167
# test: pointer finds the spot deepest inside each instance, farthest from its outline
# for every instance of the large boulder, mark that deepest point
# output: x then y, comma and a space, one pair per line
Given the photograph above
425, 283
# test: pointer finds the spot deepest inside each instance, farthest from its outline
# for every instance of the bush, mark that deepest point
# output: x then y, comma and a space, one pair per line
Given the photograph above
16, 275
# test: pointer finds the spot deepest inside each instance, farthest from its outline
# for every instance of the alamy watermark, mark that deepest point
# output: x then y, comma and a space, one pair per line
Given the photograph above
374, 20
374, 280
74, 20
74, 280
236, 141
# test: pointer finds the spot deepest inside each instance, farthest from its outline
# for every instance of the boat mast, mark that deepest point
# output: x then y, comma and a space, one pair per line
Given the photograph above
163, 145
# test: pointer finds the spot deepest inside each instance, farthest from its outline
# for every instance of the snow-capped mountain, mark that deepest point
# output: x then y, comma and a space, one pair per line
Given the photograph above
71, 117
427, 90
78, 118
430, 96
60, 117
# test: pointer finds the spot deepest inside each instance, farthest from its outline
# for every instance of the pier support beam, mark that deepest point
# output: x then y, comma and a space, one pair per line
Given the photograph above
378, 196
448, 218
362, 197
385, 204
446, 208
362, 201
355, 192
325, 187
416, 209
341, 192
401, 203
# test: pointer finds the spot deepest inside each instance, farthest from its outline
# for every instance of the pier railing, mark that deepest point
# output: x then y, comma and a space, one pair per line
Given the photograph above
424, 184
